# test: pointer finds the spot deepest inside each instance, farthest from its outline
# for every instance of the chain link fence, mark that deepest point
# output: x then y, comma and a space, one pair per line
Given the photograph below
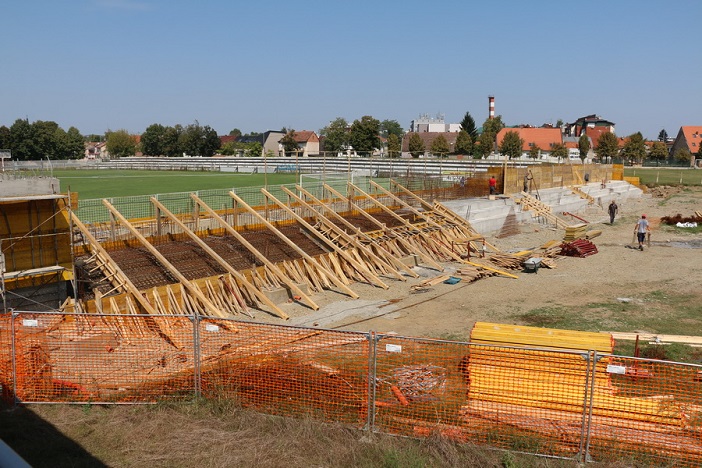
585, 406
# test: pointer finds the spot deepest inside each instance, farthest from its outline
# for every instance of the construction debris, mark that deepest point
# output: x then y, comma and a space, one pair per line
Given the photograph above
578, 248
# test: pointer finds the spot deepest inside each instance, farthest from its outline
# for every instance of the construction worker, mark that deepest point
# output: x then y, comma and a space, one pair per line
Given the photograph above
641, 229
613, 209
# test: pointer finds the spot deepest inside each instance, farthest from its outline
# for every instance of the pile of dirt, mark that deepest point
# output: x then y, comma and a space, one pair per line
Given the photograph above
664, 191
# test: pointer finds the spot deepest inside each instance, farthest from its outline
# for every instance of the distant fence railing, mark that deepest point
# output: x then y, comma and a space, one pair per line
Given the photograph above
584, 406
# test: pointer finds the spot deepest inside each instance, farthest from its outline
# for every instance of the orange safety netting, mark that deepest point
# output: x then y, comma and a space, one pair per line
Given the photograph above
556, 402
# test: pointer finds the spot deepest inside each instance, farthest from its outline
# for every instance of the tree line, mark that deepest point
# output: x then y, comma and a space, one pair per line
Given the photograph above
40, 139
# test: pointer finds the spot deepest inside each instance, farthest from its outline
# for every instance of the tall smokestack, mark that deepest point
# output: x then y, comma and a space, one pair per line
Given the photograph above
491, 100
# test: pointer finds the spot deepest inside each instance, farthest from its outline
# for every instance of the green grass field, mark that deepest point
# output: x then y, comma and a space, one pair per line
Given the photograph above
665, 176
120, 183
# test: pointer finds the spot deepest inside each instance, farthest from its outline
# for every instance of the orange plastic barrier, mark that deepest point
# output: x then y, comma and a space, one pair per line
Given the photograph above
562, 403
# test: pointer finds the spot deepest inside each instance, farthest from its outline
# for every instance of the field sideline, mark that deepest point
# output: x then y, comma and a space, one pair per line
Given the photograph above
121, 183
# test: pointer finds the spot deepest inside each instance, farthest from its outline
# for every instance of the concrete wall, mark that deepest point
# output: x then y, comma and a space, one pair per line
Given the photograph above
12, 186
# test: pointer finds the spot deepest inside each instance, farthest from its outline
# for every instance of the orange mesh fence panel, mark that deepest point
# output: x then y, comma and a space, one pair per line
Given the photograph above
6, 380
286, 370
651, 416
102, 358
482, 394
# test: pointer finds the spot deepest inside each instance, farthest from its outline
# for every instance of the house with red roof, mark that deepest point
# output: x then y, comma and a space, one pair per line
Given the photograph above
690, 138
308, 142
542, 137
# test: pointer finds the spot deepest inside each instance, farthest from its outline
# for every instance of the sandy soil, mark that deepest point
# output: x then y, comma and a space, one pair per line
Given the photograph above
672, 263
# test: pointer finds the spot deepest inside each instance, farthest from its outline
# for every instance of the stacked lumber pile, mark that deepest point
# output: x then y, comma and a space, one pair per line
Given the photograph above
471, 273
578, 248
508, 261
543, 391
576, 231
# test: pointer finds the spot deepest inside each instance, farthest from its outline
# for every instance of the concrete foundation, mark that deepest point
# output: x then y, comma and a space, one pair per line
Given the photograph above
489, 216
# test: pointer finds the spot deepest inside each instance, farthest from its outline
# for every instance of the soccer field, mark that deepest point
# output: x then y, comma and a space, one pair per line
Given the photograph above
665, 175
119, 183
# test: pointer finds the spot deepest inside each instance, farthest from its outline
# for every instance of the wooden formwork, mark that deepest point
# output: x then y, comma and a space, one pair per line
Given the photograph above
432, 233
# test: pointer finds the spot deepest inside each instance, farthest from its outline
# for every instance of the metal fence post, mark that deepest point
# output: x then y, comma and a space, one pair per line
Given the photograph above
13, 351
591, 359
591, 403
196, 355
370, 417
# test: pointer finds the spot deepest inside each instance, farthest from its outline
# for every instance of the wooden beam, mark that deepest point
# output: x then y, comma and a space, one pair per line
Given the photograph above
424, 256
365, 272
340, 284
262, 258
344, 235
232, 271
123, 281
443, 249
162, 260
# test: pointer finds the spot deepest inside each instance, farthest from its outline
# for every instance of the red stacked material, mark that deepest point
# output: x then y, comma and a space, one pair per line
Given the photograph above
578, 248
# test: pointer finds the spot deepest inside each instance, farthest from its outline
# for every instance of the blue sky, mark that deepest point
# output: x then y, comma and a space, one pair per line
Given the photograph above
259, 65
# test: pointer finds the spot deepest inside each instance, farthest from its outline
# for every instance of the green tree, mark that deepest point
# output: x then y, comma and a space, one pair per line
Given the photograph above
236, 133
47, 136
468, 125
394, 146
254, 149
152, 140
559, 123
464, 143
635, 148
583, 146
511, 145
484, 145
364, 135
607, 147
440, 146
336, 135
683, 155
121, 144
391, 127
289, 143
196, 140
416, 145
659, 152
534, 151
171, 141
5, 137
493, 125
663, 136
559, 151
22, 141
74, 144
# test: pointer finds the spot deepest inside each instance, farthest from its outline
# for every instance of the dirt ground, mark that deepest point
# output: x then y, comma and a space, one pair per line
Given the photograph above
672, 264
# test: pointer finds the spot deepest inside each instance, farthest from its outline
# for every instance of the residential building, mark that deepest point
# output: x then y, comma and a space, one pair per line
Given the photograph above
591, 125
690, 138
308, 142
543, 138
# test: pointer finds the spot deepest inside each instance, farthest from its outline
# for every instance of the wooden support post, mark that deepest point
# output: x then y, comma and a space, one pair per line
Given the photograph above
343, 235
364, 272
262, 258
232, 271
162, 260
340, 284
358, 232
424, 256
120, 280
